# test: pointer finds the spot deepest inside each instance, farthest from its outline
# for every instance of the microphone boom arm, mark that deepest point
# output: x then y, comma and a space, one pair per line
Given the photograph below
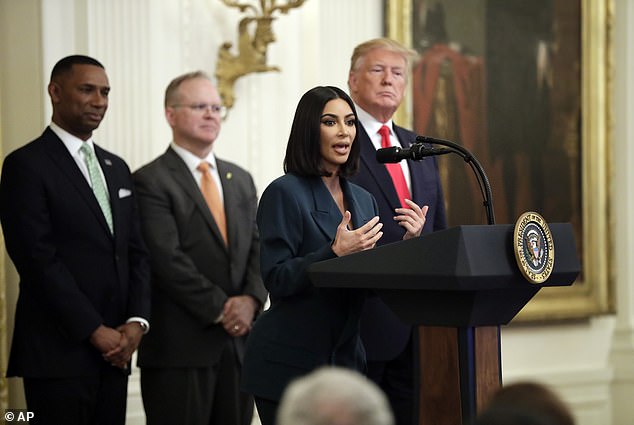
481, 177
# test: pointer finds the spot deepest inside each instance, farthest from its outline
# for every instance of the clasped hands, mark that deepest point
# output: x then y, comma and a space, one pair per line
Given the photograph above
238, 314
348, 241
117, 345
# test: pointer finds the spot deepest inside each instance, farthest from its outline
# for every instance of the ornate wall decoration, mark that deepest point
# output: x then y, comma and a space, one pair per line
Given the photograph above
252, 45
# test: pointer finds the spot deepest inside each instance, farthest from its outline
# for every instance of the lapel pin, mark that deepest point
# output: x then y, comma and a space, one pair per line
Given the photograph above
229, 175
107, 161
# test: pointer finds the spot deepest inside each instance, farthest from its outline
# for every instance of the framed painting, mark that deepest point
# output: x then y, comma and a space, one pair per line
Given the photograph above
525, 87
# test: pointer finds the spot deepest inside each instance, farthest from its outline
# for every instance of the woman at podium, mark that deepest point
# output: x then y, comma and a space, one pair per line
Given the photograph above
311, 213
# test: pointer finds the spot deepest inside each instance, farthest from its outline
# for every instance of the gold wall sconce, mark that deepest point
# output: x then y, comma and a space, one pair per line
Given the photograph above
252, 45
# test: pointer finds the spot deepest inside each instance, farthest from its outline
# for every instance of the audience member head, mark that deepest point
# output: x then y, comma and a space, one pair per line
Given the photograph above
79, 91
334, 396
194, 110
378, 76
525, 403
305, 155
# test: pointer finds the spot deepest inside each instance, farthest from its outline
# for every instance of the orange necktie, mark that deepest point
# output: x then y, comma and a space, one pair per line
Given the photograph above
211, 194
395, 170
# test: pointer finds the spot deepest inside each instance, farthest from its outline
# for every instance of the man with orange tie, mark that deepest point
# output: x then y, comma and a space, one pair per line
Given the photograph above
198, 219
377, 80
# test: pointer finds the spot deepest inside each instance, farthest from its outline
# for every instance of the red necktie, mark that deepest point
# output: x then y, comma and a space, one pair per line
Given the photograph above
395, 170
212, 195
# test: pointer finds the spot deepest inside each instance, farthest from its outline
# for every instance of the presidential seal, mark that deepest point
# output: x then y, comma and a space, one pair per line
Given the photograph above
534, 248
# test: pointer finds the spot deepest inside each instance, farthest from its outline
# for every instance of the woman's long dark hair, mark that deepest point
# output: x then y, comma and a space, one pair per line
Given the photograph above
303, 151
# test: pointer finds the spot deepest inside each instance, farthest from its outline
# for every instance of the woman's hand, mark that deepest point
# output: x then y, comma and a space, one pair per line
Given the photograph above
349, 241
411, 219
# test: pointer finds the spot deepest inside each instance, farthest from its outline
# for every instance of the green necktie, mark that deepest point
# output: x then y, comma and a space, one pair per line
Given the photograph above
98, 186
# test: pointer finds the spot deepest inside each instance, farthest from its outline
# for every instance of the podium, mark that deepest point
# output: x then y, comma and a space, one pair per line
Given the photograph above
458, 285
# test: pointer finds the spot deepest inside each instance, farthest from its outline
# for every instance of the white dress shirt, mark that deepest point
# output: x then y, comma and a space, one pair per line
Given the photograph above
192, 162
74, 144
372, 126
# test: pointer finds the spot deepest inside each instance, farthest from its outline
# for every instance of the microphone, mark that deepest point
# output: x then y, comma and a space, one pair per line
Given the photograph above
424, 146
432, 140
415, 152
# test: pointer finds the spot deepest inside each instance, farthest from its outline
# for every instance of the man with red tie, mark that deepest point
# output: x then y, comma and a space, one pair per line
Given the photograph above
377, 81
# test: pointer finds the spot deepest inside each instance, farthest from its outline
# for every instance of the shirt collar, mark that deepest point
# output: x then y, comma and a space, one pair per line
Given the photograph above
72, 143
370, 123
191, 160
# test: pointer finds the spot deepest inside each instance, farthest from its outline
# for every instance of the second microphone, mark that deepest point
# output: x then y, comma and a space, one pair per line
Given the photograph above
415, 152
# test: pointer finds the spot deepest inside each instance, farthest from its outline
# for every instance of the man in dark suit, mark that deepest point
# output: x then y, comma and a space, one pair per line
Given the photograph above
377, 81
71, 228
199, 223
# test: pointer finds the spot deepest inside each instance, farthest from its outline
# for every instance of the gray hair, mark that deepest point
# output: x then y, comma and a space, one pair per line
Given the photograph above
334, 396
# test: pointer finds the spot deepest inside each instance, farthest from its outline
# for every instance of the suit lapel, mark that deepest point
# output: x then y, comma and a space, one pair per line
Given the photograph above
416, 168
359, 217
67, 165
378, 171
325, 212
230, 201
405, 137
184, 178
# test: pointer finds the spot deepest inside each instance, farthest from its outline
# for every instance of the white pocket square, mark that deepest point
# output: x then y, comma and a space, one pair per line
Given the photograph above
124, 193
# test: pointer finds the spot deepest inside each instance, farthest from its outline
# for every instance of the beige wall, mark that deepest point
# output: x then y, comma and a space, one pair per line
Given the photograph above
622, 348
21, 113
